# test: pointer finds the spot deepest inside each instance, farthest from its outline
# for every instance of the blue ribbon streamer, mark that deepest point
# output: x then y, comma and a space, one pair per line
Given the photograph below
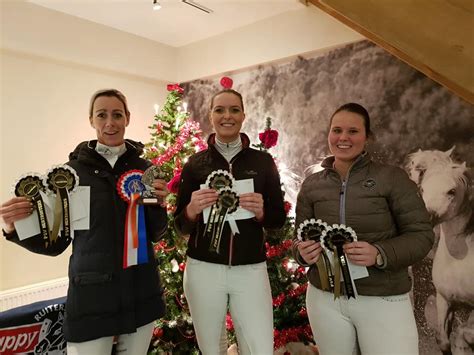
142, 242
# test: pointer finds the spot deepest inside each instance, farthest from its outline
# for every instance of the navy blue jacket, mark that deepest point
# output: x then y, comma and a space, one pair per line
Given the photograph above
103, 298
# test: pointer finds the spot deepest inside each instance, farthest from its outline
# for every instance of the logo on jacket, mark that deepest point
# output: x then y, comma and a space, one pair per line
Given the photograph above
251, 172
369, 183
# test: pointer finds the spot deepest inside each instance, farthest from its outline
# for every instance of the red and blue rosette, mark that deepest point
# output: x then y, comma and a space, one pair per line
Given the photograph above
130, 188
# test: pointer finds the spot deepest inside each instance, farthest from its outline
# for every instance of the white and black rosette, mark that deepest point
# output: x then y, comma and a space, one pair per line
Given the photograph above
219, 179
313, 229
61, 180
227, 202
332, 240
222, 181
30, 185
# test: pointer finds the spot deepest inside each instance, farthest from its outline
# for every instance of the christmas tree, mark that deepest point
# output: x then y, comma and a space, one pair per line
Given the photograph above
174, 137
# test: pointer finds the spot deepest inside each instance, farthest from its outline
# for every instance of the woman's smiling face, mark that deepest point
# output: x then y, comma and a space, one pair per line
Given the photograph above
227, 116
347, 136
109, 118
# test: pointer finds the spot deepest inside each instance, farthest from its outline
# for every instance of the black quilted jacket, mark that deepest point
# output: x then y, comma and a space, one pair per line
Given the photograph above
248, 246
103, 298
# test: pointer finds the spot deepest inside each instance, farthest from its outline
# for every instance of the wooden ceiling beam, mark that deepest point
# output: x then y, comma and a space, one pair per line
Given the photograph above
434, 36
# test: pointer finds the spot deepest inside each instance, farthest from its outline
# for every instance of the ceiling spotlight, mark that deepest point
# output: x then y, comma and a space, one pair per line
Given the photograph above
156, 5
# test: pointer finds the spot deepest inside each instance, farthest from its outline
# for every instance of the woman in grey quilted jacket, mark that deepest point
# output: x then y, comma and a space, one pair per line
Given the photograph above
392, 231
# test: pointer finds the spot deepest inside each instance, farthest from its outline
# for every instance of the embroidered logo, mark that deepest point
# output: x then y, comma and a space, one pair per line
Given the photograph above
251, 172
369, 183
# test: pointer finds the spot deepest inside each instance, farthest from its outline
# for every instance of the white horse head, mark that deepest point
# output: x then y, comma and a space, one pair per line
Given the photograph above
421, 160
445, 189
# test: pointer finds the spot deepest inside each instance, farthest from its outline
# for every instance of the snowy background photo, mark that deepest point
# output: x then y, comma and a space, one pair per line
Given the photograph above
418, 125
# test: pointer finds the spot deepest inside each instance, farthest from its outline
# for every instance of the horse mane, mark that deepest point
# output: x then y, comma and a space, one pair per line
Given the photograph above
459, 172
427, 157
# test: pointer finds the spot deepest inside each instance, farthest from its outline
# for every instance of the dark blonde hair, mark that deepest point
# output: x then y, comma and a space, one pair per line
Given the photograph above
227, 91
109, 93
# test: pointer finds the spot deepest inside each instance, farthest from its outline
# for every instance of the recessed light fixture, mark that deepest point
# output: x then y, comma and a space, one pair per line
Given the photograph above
156, 5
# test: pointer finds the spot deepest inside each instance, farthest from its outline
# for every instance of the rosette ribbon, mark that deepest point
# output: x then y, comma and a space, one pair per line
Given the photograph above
130, 188
61, 180
312, 229
227, 202
29, 186
333, 238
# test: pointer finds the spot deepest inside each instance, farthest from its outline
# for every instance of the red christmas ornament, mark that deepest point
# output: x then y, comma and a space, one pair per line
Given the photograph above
287, 244
158, 332
182, 266
287, 207
278, 300
303, 312
301, 270
227, 82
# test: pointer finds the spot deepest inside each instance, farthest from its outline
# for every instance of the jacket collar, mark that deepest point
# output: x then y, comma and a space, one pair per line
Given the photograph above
85, 151
211, 141
361, 161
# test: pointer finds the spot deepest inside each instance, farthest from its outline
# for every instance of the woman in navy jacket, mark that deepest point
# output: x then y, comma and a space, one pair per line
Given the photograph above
104, 298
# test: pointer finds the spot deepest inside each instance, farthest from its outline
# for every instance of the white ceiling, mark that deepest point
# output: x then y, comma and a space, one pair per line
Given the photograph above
176, 24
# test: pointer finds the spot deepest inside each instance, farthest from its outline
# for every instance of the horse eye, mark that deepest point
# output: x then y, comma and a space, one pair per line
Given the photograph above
452, 192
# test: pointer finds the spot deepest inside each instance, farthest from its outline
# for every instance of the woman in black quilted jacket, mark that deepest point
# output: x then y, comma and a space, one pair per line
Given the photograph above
229, 269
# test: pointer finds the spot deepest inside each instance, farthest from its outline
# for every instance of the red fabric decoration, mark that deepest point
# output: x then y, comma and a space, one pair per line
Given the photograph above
174, 87
173, 185
227, 82
269, 138
229, 324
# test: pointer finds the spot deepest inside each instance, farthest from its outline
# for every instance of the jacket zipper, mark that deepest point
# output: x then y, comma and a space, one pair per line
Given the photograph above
231, 244
342, 202
343, 193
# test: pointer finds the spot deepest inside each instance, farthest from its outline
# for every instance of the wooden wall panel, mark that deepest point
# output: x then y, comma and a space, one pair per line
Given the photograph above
434, 36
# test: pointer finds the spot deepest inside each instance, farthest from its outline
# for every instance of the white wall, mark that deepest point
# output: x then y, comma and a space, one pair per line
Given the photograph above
44, 114
279, 37
34, 29
51, 63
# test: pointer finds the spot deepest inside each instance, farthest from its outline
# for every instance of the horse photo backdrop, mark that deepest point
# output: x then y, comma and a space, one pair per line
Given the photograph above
418, 125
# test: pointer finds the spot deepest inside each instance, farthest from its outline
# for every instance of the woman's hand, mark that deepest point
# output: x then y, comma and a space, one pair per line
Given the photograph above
160, 190
310, 251
253, 202
200, 199
361, 253
13, 210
